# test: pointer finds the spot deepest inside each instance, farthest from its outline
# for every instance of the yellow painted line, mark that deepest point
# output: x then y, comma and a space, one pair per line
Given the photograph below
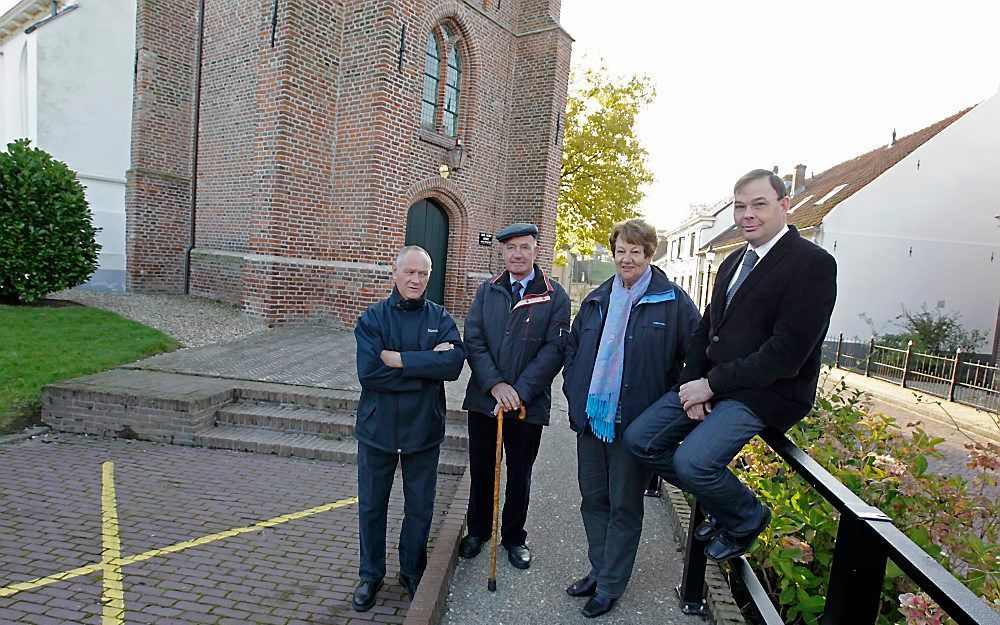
285, 518
113, 597
13, 589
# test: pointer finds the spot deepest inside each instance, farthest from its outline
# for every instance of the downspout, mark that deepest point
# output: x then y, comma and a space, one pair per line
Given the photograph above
194, 146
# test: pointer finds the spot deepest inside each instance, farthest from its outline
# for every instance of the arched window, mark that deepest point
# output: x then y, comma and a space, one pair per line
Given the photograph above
443, 43
452, 88
432, 69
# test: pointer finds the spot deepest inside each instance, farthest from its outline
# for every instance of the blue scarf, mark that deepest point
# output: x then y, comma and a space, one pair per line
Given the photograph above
606, 381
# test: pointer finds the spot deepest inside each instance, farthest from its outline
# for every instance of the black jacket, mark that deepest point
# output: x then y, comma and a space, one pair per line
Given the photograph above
403, 410
522, 346
764, 350
658, 329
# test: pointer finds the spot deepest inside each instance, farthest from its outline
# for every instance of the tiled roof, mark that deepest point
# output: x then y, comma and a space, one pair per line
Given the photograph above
852, 175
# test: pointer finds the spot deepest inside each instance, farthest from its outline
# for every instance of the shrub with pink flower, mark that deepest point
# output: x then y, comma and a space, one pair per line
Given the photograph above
919, 609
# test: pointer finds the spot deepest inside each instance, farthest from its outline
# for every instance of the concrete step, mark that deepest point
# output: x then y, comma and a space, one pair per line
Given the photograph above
330, 424
287, 418
321, 447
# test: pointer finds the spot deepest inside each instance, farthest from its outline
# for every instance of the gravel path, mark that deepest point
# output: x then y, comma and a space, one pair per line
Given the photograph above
194, 321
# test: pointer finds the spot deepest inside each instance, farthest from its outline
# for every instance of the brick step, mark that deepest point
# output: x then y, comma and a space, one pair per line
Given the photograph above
294, 419
237, 438
287, 418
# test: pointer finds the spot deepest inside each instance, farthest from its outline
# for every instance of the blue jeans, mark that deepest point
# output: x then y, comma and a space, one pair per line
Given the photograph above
376, 470
695, 456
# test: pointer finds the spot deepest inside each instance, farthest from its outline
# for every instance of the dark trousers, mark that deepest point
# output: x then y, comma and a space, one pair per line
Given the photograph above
612, 483
520, 446
695, 456
376, 470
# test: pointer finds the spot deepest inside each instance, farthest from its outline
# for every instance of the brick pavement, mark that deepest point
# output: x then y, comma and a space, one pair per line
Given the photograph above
955, 423
297, 571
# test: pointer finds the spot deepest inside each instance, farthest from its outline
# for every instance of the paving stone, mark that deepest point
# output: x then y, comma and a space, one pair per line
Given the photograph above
168, 494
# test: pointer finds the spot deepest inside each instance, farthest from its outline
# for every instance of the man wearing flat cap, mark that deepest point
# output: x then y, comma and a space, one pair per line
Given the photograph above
515, 335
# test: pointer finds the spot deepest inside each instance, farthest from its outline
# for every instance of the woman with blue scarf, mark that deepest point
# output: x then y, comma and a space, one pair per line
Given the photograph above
625, 351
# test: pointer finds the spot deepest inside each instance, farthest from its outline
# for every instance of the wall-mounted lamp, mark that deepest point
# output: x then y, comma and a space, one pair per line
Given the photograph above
456, 158
456, 155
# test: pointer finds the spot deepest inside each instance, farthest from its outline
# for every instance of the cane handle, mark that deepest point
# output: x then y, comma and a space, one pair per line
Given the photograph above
522, 412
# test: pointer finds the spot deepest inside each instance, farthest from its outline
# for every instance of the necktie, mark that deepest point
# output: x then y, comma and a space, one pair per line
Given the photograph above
749, 260
515, 290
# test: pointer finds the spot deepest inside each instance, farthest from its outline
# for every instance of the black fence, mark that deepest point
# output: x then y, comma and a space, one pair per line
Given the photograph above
970, 379
866, 540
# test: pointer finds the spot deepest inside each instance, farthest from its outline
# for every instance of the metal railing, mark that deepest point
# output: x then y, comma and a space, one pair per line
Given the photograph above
952, 377
866, 540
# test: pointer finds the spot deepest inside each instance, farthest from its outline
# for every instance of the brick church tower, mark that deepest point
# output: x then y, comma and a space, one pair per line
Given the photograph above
283, 150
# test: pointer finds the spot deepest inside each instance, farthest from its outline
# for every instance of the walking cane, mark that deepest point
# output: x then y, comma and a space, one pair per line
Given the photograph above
491, 584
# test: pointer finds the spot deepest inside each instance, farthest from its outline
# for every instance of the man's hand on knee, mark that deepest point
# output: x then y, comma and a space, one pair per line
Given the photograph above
695, 392
698, 412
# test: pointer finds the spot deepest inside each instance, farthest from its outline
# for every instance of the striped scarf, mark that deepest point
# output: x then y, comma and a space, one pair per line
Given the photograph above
606, 381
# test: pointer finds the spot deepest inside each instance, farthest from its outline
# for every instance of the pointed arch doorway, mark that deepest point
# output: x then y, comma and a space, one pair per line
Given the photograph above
427, 226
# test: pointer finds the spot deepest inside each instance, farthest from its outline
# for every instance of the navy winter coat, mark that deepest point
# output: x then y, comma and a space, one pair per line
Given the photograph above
522, 346
659, 327
403, 410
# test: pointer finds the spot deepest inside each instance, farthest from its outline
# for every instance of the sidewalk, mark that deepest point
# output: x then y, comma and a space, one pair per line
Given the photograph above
559, 555
946, 413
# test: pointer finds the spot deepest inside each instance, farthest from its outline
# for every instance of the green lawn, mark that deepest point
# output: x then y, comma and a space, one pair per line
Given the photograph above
40, 345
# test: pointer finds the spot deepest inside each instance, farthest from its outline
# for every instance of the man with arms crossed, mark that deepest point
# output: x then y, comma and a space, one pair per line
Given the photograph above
753, 362
407, 347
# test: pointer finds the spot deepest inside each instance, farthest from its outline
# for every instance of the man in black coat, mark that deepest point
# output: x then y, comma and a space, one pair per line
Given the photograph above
753, 362
515, 334
407, 347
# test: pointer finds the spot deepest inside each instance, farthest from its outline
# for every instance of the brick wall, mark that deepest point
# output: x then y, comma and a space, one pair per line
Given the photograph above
311, 152
158, 191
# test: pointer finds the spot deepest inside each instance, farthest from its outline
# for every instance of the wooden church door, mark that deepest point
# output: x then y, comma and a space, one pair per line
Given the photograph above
427, 226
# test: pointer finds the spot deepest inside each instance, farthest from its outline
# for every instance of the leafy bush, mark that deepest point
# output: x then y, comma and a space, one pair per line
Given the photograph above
46, 235
933, 332
955, 520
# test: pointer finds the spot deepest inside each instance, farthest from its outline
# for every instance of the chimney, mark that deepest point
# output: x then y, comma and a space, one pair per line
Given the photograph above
774, 170
788, 183
799, 181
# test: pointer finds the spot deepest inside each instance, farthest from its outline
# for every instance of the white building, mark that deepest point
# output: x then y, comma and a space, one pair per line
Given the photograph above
66, 83
678, 252
913, 224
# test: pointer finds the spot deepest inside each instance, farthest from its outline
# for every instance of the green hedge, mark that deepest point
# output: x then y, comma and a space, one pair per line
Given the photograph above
47, 240
954, 519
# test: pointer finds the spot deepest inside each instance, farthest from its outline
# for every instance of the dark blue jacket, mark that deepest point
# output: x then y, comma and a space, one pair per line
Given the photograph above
522, 346
403, 410
659, 327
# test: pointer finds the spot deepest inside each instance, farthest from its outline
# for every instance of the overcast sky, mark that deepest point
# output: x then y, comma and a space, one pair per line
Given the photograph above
743, 84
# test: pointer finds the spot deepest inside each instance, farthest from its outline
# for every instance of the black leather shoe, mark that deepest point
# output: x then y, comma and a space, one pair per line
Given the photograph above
727, 546
598, 605
583, 587
409, 584
519, 556
364, 595
707, 529
470, 546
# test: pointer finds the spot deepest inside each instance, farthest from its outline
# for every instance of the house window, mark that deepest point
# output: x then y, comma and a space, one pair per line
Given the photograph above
692, 247
432, 69
442, 81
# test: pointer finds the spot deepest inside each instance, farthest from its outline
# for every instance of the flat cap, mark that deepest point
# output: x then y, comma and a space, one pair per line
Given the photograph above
517, 230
